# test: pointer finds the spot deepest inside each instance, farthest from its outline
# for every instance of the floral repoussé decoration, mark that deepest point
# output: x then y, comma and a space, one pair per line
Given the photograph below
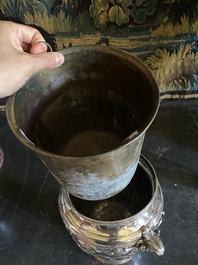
120, 11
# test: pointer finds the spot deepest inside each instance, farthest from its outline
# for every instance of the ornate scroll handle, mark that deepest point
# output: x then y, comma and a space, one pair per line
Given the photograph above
150, 240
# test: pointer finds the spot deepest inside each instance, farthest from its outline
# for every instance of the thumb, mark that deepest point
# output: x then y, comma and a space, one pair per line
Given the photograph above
46, 60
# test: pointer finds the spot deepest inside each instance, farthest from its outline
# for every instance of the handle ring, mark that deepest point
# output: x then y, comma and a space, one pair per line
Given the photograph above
48, 45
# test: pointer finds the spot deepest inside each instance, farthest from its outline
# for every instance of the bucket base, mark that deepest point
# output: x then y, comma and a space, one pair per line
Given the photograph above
113, 230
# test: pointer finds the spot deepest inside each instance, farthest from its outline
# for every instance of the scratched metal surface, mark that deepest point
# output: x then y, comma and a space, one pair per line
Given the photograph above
32, 231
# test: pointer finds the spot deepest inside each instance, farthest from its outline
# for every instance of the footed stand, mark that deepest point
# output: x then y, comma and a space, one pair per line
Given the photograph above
115, 229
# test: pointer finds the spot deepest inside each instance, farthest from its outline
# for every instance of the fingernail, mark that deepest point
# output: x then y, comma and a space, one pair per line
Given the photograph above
59, 58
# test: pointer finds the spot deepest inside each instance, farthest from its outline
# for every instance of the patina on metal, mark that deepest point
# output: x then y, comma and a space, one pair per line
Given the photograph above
115, 229
87, 118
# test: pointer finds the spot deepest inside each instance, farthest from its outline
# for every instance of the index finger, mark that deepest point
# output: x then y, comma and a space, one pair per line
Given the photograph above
29, 35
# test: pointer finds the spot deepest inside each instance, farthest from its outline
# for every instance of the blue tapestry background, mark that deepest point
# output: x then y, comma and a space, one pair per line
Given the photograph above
163, 34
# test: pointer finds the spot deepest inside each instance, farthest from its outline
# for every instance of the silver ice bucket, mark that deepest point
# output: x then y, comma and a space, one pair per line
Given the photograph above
115, 229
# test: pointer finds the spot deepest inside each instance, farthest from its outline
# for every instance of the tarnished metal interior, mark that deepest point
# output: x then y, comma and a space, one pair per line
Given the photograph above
96, 94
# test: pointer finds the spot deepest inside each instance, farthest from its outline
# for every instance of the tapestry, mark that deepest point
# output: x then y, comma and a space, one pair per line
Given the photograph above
162, 33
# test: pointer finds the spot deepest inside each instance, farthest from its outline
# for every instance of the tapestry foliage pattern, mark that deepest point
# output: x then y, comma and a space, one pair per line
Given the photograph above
162, 33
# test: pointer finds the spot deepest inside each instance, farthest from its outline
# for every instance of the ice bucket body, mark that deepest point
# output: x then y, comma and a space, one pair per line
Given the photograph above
97, 92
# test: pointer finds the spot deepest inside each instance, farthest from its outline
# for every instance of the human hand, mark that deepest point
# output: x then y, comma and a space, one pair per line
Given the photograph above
22, 53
